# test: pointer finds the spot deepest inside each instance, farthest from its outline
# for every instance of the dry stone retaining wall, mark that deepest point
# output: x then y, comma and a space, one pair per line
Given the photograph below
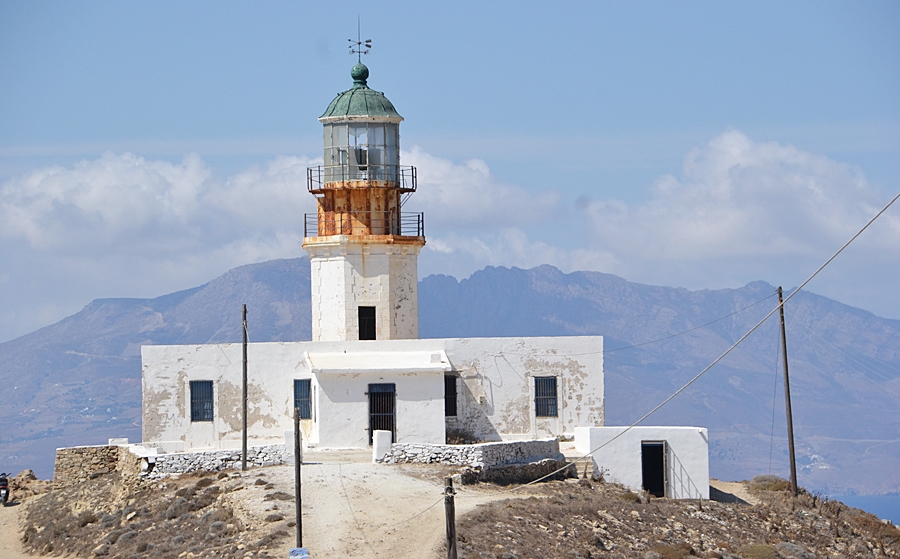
81, 463
485, 455
215, 460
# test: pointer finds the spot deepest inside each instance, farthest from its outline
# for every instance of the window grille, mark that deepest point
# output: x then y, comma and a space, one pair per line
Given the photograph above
201, 400
545, 397
382, 408
450, 396
303, 397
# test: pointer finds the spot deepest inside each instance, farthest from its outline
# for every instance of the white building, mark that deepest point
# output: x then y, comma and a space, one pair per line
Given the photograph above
365, 368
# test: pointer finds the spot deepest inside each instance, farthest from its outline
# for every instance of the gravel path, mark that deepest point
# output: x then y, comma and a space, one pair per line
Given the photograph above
353, 508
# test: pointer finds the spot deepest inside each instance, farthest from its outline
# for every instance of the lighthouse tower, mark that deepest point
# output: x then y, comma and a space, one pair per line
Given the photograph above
363, 249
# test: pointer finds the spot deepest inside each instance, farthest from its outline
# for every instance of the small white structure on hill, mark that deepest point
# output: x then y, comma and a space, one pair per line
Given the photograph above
666, 461
365, 368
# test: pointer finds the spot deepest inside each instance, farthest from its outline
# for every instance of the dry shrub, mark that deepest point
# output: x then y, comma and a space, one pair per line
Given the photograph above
678, 551
769, 483
630, 497
758, 551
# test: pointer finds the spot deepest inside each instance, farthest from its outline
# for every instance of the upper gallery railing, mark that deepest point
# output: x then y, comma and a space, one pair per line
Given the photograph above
364, 223
403, 177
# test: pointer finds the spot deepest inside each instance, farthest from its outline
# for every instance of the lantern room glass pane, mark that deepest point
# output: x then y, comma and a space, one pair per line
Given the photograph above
390, 138
359, 135
377, 134
338, 135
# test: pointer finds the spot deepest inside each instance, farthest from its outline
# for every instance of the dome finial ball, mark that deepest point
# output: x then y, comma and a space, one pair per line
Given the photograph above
359, 73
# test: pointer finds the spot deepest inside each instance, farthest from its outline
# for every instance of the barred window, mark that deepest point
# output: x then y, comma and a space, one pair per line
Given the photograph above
545, 397
303, 397
201, 400
449, 395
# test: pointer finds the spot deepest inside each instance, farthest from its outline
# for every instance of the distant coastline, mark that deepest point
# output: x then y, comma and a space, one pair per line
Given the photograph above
885, 507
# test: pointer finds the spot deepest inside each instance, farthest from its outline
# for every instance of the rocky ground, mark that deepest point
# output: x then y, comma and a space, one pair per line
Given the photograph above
353, 508
591, 520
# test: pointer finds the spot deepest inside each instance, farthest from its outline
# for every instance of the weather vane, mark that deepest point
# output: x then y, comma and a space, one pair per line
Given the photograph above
359, 47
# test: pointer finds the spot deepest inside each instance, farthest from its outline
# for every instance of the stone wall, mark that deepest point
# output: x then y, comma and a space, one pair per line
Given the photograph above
162, 465
81, 463
484, 456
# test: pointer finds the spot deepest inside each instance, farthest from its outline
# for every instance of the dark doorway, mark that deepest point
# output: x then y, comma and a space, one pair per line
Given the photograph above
366, 323
382, 400
653, 467
449, 396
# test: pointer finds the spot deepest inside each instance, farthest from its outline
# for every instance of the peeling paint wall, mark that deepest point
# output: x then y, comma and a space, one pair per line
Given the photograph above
346, 275
495, 391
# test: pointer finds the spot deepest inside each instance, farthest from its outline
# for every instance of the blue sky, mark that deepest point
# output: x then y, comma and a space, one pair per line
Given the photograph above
147, 147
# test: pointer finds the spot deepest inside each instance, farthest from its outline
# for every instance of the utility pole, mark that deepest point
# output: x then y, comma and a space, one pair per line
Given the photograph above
450, 513
244, 393
298, 478
787, 397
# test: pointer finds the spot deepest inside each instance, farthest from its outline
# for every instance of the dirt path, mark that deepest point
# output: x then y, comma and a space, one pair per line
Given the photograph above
353, 508
10, 544
736, 488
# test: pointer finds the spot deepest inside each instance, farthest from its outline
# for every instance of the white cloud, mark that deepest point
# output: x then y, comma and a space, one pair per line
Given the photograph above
469, 196
743, 210
122, 225
740, 210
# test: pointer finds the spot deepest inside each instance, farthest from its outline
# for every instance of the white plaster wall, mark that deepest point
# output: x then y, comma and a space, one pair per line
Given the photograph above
346, 275
620, 460
495, 396
344, 407
496, 386
271, 370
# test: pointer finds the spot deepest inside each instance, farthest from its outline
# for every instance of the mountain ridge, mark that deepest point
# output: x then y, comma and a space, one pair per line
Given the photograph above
78, 381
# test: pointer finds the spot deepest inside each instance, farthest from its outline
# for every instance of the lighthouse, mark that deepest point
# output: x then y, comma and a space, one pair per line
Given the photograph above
363, 249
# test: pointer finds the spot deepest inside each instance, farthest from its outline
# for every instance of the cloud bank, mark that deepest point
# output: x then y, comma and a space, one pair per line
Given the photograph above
737, 211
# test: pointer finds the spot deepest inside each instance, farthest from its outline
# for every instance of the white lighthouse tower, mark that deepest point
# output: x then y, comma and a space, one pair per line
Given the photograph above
363, 250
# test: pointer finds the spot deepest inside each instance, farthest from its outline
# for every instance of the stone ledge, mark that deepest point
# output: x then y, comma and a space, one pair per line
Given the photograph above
484, 455
163, 465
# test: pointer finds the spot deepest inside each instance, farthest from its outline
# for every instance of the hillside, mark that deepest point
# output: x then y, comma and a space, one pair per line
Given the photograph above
78, 381
354, 508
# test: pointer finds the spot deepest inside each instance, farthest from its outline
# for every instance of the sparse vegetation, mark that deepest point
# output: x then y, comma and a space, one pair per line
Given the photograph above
191, 515
589, 521
198, 516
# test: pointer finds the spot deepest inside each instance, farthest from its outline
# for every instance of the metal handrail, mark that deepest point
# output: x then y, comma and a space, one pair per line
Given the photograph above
364, 223
404, 176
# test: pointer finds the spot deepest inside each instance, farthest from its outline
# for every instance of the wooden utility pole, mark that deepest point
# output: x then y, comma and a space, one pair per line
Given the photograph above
244, 392
298, 463
450, 513
787, 397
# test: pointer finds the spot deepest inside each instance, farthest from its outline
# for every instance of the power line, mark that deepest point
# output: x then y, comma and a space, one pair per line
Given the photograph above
604, 351
727, 351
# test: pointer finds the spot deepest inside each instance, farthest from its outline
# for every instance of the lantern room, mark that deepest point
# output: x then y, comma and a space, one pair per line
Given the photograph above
363, 248
361, 186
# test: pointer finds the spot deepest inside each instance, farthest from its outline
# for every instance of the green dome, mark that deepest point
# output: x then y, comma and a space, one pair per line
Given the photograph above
359, 100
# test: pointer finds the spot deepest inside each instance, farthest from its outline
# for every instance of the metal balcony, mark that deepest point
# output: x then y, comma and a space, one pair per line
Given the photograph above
348, 176
364, 223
